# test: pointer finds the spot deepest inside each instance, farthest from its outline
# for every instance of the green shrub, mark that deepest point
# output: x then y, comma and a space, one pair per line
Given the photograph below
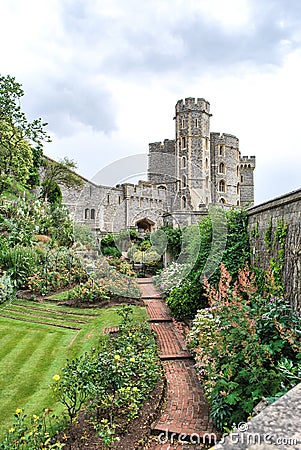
6, 289
240, 342
19, 263
113, 379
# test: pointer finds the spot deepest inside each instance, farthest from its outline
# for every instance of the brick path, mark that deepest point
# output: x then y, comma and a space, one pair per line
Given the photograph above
186, 410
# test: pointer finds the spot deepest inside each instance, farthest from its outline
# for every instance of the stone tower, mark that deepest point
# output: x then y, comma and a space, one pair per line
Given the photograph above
246, 182
192, 151
225, 169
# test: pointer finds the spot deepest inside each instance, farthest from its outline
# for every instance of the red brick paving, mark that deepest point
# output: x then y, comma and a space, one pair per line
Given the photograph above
157, 310
186, 410
148, 289
171, 344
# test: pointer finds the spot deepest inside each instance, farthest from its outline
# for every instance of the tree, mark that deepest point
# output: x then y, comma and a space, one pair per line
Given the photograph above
58, 173
21, 141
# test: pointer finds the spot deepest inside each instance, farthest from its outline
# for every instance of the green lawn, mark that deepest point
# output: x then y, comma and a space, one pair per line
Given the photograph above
32, 352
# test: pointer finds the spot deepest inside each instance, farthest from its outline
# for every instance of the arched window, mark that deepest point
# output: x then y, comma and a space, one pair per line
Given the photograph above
87, 213
207, 182
237, 171
184, 181
184, 161
222, 201
221, 150
108, 199
93, 214
206, 163
222, 186
237, 203
221, 168
237, 189
183, 143
183, 202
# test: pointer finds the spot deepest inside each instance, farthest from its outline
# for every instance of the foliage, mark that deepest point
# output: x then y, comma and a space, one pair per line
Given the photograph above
204, 251
90, 292
105, 282
174, 240
59, 173
6, 288
31, 433
108, 246
113, 379
122, 266
171, 277
84, 235
20, 140
239, 342
57, 268
19, 262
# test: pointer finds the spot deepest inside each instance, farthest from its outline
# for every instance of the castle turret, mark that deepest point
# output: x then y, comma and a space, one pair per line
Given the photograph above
193, 153
247, 166
225, 175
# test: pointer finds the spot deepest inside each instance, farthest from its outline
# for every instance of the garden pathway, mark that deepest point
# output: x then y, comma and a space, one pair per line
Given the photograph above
186, 411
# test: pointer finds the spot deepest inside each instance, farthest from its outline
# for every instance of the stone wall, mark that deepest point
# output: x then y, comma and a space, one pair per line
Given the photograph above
263, 222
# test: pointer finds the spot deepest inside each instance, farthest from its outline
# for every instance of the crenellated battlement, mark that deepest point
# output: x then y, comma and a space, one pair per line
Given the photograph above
192, 104
248, 161
167, 146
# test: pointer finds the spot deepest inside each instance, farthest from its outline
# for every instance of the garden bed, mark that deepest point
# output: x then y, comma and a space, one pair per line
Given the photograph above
82, 435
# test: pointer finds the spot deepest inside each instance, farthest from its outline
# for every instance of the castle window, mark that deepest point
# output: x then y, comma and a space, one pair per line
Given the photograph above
241, 178
184, 161
207, 144
207, 182
108, 199
119, 200
221, 150
87, 213
196, 123
184, 181
184, 202
237, 189
222, 201
206, 163
237, 171
183, 123
93, 214
221, 168
90, 191
222, 186
183, 144
237, 203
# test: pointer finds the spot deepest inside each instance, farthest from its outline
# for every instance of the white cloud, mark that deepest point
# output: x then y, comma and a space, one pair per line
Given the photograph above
107, 74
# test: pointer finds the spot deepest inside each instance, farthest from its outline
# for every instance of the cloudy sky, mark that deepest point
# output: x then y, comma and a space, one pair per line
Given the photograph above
106, 74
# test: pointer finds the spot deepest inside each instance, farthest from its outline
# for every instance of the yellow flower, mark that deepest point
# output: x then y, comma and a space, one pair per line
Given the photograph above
23, 438
135, 389
117, 357
11, 430
132, 360
56, 377
128, 388
18, 411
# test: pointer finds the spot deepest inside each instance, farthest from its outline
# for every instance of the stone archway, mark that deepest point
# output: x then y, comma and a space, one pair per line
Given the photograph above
145, 225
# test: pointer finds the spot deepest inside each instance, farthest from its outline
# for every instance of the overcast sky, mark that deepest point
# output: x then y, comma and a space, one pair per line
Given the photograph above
106, 75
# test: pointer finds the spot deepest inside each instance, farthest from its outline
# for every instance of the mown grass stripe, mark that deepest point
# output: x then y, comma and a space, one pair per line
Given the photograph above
60, 325
25, 383
36, 314
67, 309
50, 311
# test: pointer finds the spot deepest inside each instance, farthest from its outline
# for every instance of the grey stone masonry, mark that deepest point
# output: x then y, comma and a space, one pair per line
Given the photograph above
185, 176
266, 219
276, 427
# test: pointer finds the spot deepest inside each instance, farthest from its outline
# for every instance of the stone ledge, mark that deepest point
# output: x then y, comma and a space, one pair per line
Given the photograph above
276, 427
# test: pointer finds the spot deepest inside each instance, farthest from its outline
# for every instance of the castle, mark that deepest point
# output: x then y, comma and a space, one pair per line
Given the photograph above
186, 175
